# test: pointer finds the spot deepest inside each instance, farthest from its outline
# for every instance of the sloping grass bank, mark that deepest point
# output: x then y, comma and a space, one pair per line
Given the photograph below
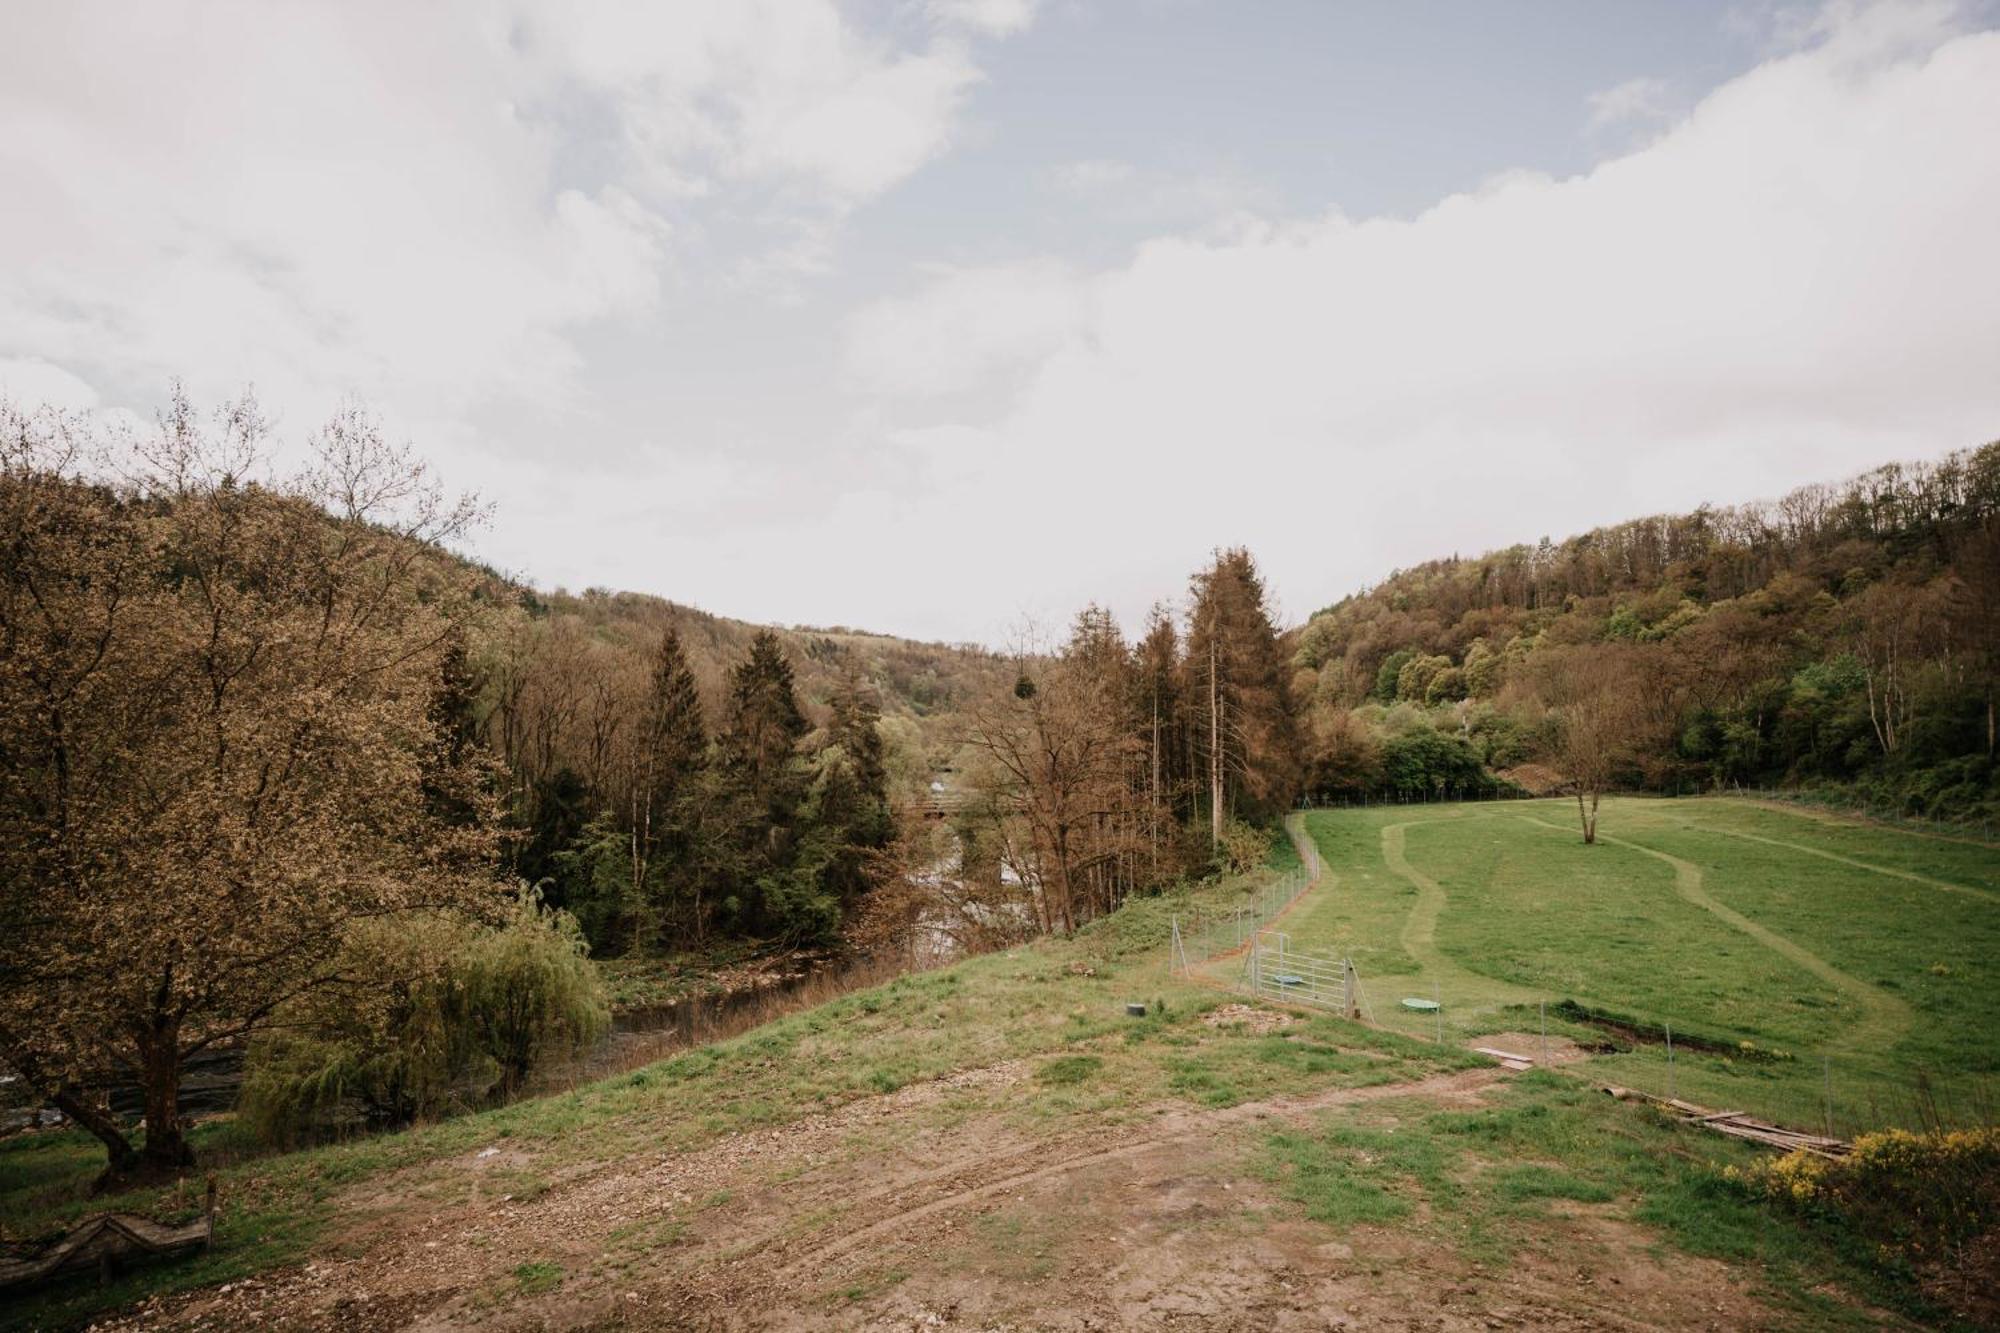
1055, 1000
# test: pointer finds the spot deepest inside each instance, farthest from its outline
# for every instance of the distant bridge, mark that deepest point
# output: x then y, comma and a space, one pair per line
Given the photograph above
936, 804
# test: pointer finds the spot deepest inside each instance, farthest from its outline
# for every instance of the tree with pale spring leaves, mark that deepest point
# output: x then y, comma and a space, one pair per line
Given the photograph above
218, 741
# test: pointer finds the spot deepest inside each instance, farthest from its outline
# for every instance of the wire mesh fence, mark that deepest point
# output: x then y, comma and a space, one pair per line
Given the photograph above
1204, 936
1259, 959
1445, 794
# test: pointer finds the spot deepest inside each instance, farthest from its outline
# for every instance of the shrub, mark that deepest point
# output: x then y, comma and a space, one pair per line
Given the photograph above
440, 1016
1244, 846
1918, 1196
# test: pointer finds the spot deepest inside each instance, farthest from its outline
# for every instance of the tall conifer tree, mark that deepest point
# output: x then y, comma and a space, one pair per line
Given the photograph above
1239, 696
672, 751
763, 783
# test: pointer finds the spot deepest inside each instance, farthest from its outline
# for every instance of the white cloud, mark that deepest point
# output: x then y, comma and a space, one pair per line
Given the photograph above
996, 18
710, 92
427, 204
1641, 99
31, 380
1794, 281
1125, 192
964, 325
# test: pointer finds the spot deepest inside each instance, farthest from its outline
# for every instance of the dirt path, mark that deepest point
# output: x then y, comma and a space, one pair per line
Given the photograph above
1206, 970
1987, 895
1419, 934
1183, 1126
1884, 1017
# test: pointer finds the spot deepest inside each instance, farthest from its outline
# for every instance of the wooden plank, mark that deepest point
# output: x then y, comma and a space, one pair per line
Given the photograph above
1500, 1055
1738, 1125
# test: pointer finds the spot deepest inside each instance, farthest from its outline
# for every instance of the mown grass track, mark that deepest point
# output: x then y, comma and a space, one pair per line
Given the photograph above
1835, 957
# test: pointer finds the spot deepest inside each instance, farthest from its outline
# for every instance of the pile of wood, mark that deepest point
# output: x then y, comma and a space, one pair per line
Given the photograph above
104, 1243
1740, 1126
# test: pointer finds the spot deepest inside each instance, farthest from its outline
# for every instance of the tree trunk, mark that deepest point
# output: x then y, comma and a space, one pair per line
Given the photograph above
1214, 751
166, 1151
1588, 815
1153, 795
104, 1126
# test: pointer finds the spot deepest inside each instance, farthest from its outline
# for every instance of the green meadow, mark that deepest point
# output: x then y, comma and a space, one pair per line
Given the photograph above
1807, 965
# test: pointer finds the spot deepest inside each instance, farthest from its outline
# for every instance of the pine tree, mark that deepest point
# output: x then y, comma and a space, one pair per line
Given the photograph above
764, 725
1157, 704
764, 783
1239, 695
849, 802
672, 751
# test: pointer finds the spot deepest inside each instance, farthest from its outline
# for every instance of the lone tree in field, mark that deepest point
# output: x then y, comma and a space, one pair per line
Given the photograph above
220, 740
1594, 700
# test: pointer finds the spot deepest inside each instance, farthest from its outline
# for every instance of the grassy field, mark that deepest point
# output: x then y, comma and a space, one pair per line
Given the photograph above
1063, 1001
1843, 963
1002, 1134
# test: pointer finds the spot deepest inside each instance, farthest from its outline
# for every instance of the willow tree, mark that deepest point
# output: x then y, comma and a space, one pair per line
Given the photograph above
219, 740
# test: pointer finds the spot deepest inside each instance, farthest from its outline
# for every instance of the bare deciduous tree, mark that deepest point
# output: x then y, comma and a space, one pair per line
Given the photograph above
1064, 788
1594, 696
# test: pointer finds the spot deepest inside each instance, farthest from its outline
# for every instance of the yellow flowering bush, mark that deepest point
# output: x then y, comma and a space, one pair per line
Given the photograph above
1919, 1194
1796, 1177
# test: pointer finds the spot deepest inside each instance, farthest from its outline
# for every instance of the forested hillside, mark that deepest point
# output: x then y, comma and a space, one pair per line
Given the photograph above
279, 770
618, 812
339, 795
1845, 635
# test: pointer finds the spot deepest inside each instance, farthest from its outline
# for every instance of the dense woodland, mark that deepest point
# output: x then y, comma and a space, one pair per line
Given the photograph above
671, 776
1845, 635
279, 769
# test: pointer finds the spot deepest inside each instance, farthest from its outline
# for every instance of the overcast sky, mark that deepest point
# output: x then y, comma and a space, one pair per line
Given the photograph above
931, 315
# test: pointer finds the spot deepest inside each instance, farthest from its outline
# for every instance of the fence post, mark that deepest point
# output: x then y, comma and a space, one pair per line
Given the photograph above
1672, 1094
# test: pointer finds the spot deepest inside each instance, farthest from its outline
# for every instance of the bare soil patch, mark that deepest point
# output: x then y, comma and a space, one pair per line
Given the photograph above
1248, 1018
883, 1215
1560, 1051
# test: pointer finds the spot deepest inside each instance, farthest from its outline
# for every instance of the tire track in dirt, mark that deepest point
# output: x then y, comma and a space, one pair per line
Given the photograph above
1884, 1018
1188, 1126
